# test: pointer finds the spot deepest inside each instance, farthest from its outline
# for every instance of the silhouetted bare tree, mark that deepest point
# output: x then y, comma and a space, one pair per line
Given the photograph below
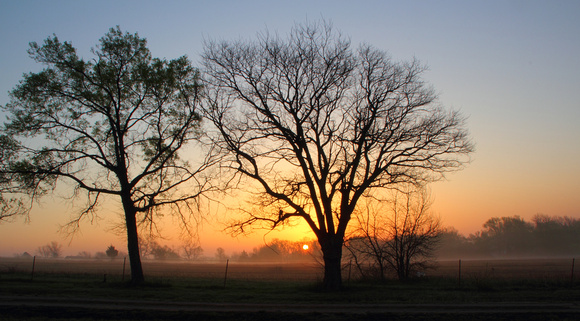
317, 125
163, 252
192, 250
52, 250
399, 235
113, 125
220, 254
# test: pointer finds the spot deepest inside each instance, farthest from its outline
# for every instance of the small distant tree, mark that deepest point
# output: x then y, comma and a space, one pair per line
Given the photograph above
556, 235
52, 250
192, 251
401, 237
163, 252
453, 245
100, 255
84, 255
112, 252
220, 254
285, 250
506, 236
244, 256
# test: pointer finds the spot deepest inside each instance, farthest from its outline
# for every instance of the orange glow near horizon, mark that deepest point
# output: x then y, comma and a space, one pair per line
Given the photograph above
458, 201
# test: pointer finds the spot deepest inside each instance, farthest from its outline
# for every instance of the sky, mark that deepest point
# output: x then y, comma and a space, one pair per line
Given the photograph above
511, 67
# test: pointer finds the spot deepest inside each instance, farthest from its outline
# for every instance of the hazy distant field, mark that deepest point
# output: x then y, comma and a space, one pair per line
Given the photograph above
72, 289
170, 269
509, 268
515, 268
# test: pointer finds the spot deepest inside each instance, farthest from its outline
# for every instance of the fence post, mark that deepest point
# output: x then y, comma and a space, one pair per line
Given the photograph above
33, 263
349, 270
124, 262
226, 275
459, 274
572, 274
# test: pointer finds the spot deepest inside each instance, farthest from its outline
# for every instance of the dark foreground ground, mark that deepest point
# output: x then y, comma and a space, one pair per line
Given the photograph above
45, 308
89, 291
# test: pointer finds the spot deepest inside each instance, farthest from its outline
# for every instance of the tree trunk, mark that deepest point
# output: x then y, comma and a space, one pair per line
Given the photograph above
331, 247
401, 269
137, 276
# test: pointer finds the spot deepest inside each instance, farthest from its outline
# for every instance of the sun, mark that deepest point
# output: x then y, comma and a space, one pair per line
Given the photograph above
305, 247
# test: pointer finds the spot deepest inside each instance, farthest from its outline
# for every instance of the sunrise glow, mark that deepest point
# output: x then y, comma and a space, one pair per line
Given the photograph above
490, 80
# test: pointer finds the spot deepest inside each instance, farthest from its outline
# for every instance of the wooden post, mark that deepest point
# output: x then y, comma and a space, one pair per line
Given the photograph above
459, 274
124, 262
349, 270
33, 264
226, 275
572, 274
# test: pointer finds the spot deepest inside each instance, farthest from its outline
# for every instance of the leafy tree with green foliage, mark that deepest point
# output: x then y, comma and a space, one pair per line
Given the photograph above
111, 126
11, 201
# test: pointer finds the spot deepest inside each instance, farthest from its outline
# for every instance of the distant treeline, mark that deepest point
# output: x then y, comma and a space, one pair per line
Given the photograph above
501, 237
281, 250
515, 237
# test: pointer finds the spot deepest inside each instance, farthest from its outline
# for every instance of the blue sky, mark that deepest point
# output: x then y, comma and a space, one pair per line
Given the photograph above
512, 67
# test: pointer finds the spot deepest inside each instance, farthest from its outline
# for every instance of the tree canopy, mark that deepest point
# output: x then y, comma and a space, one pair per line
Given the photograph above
112, 125
397, 234
512, 236
12, 201
319, 125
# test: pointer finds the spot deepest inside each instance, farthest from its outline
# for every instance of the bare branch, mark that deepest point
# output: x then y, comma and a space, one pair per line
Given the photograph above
307, 117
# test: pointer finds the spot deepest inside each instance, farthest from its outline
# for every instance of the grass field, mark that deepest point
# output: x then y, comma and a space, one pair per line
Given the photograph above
492, 282
554, 268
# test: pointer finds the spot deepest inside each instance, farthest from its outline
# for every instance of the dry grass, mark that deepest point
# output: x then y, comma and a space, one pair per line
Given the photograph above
169, 269
491, 281
556, 268
553, 268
